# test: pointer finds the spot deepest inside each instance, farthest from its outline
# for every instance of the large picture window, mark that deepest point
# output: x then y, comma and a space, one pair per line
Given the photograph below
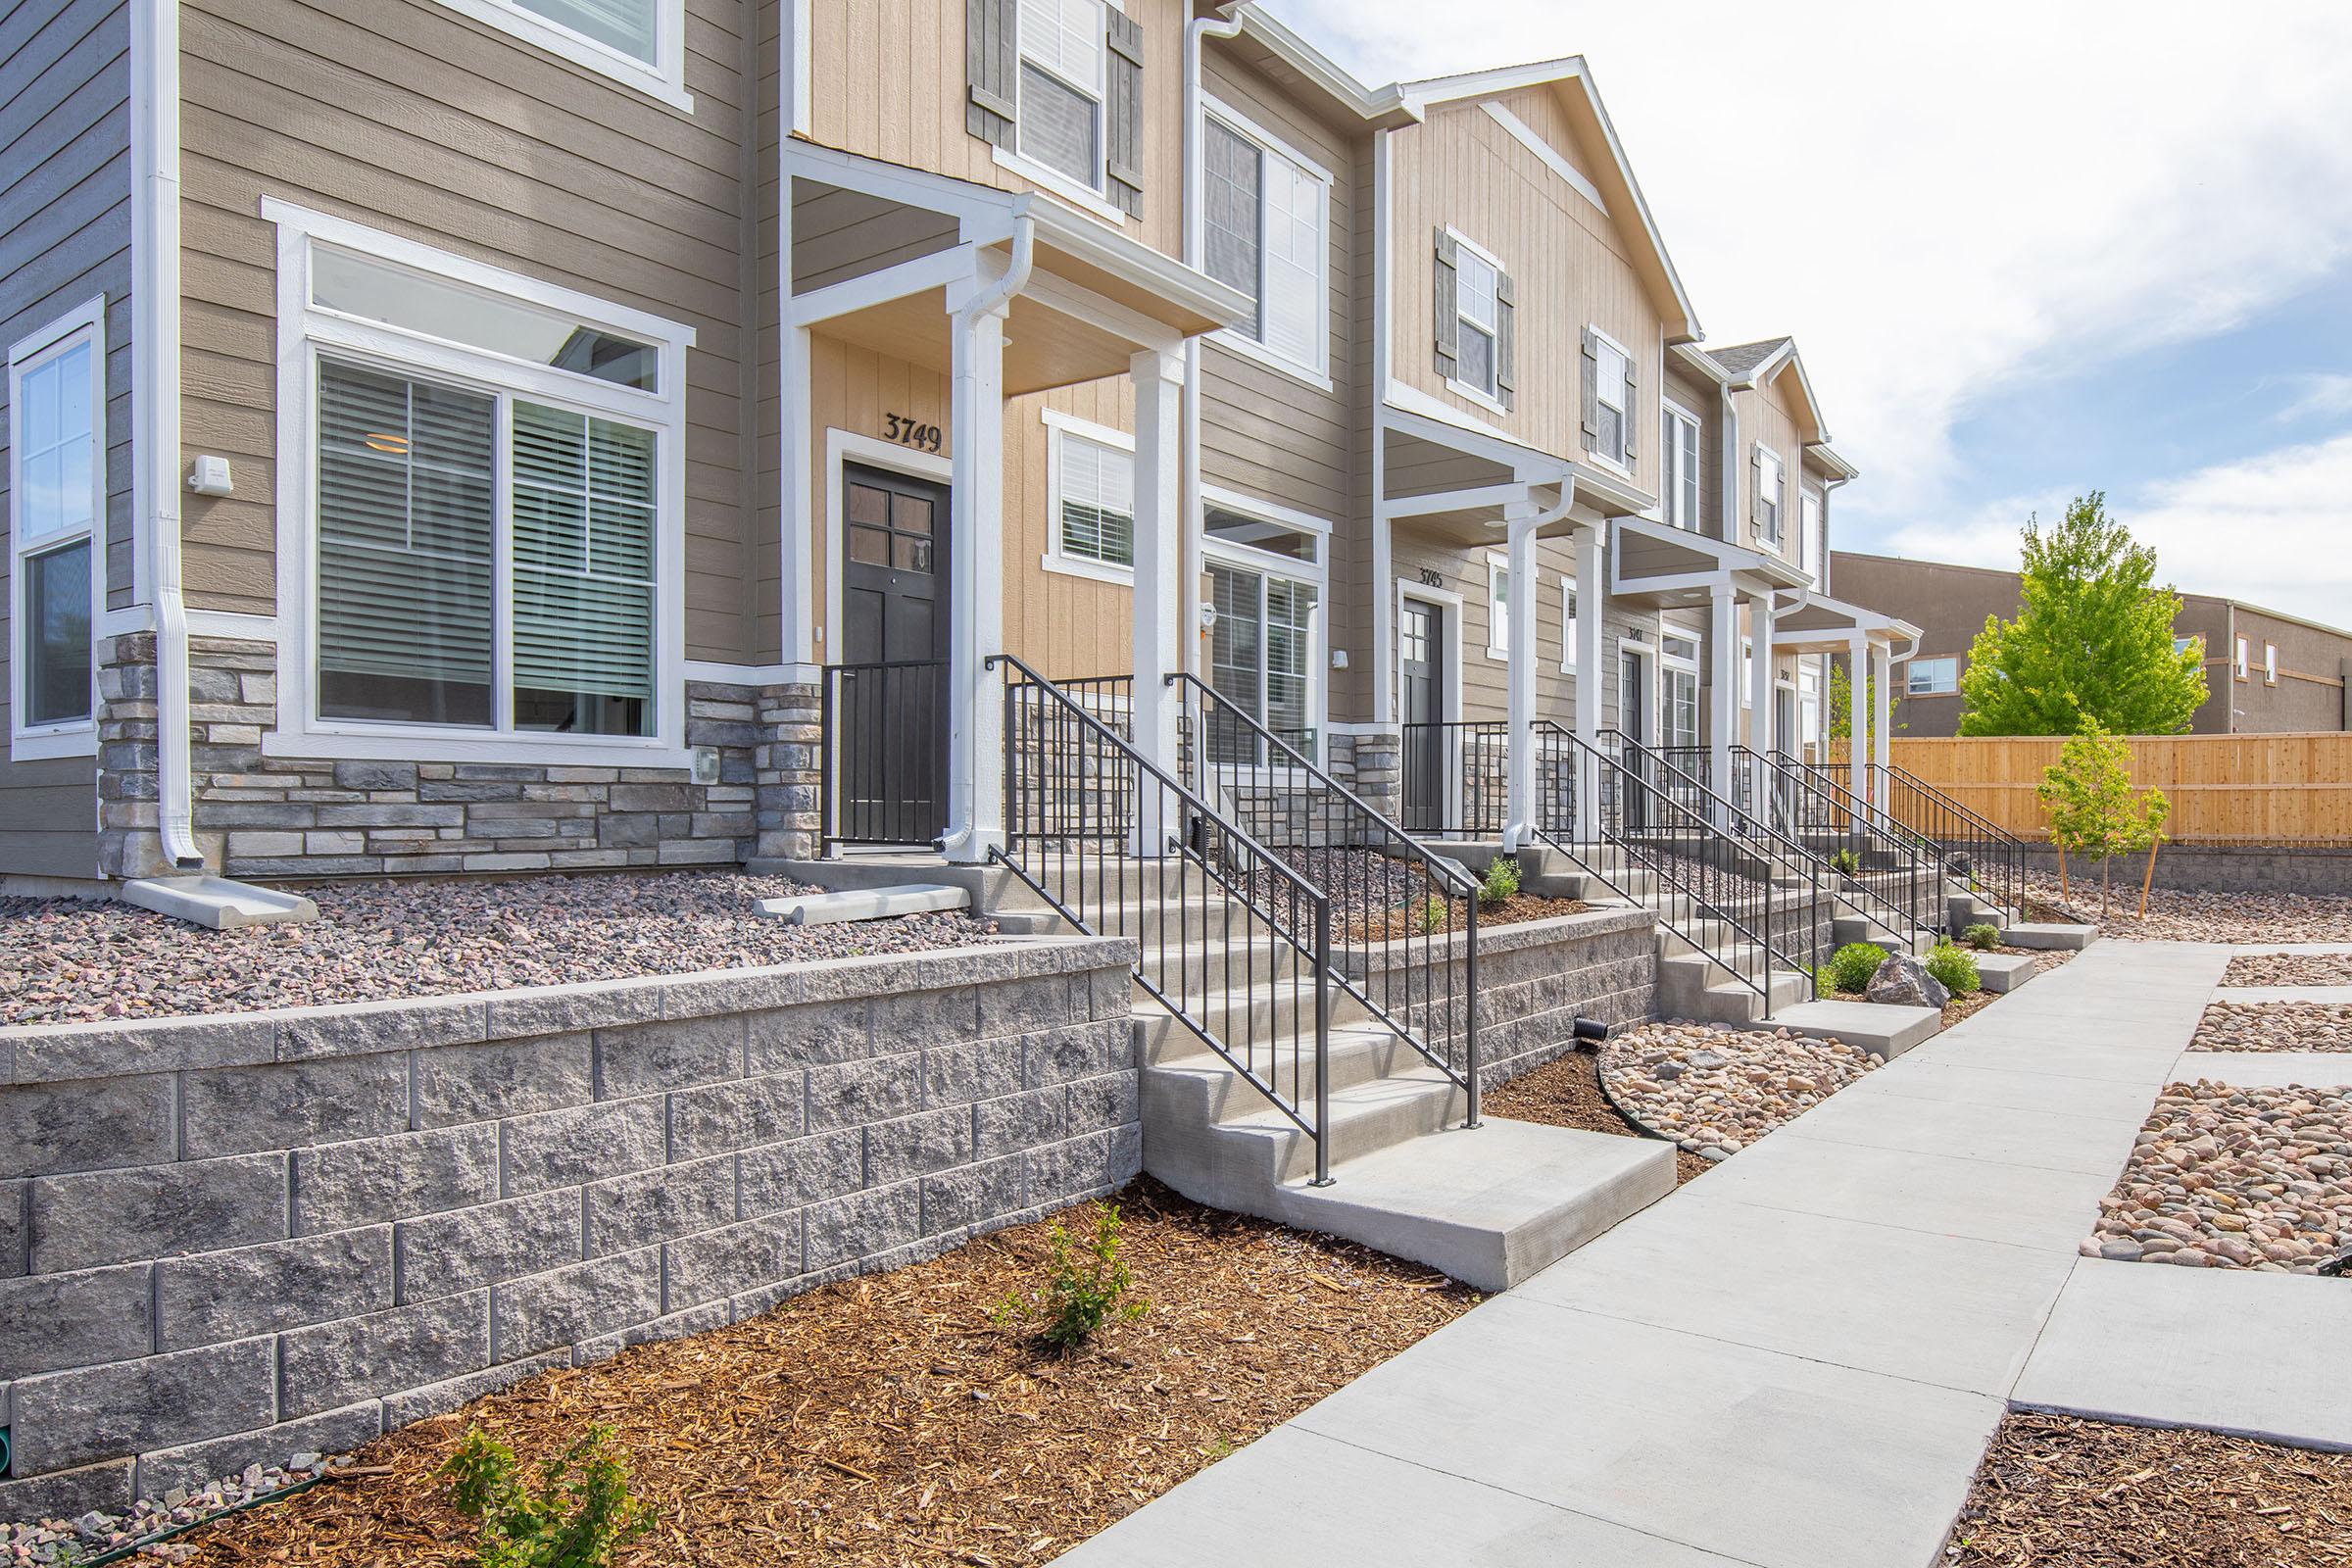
1266, 571
57, 495
482, 542
1266, 211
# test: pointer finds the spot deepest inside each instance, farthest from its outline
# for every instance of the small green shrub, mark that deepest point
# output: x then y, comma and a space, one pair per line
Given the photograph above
580, 1510
1089, 1285
1950, 964
1981, 937
1429, 915
1847, 862
1501, 884
1851, 966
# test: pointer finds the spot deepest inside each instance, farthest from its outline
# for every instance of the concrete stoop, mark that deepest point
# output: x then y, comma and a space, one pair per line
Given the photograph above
2004, 972
2048, 936
1880, 1028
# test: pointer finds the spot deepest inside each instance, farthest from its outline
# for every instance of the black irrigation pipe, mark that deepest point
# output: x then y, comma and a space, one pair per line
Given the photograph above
132, 1548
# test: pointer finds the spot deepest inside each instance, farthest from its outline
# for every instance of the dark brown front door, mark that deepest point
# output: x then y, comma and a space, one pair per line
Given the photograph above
890, 716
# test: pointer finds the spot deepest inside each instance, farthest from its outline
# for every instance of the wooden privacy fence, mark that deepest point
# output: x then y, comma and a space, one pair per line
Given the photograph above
2225, 789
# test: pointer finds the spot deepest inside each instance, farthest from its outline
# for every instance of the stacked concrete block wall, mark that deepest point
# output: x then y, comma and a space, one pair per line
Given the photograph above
225, 1239
1535, 979
273, 816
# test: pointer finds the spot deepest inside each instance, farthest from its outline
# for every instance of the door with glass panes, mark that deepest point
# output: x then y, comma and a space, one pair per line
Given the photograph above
889, 714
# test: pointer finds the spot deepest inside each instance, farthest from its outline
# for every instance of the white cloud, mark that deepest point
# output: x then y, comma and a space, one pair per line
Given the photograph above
1938, 200
2318, 397
2267, 529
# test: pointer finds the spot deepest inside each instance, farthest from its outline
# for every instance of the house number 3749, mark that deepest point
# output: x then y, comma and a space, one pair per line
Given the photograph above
907, 432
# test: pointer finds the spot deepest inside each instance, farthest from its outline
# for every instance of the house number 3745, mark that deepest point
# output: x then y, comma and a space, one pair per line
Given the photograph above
907, 432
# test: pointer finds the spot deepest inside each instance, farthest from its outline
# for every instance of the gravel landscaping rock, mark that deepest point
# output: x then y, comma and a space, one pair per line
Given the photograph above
2181, 916
71, 960
2275, 1026
1566, 1092
2290, 970
41, 1543
1714, 1090
2229, 1177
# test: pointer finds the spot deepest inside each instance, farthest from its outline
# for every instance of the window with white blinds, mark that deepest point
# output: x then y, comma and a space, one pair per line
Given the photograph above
1096, 501
56, 479
1062, 91
1682, 467
486, 557
1267, 233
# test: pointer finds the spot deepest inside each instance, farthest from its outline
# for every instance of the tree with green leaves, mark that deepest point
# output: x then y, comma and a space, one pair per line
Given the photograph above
2093, 641
1842, 704
2093, 814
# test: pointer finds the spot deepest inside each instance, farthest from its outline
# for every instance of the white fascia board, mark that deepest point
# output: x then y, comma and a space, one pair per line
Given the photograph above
1366, 103
1131, 259
1699, 363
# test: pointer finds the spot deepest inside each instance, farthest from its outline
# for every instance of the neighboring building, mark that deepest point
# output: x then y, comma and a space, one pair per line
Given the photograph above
2264, 672
548, 413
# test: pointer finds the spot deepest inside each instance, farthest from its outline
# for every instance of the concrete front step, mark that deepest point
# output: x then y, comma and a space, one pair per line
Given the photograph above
2048, 936
1236, 1163
1489, 1205
1882, 1029
2003, 972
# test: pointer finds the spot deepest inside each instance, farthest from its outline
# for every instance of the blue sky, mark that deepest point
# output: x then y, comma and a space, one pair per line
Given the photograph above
2027, 250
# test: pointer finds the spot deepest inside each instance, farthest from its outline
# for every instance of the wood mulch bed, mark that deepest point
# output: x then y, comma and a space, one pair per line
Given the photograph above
2058, 1491
1566, 1093
1408, 920
889, 1420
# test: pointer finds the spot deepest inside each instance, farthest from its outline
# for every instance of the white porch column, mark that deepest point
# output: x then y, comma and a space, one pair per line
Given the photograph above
1519, 785
1760, 737
1883, 709
1592, 602
1857, 751
976, 581
1160, 591
1723, 651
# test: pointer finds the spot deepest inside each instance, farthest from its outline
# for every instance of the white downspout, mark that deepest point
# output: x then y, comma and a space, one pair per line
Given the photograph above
1189, 464
155, 400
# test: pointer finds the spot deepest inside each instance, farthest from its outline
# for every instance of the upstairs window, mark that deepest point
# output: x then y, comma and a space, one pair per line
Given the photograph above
1474, 312
639, 42
1612, 402
56, 493
1933, 677
2270, 664
2245, 659
1062, 89
1772, 487
1681, 467
1810, 553
1266, 220
1477, 324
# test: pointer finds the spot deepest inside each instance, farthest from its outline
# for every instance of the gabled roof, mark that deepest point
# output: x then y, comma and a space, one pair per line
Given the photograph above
1753, 365
1741, 358
1572, 79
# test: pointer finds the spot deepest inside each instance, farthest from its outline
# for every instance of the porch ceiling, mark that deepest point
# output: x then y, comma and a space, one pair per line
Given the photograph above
1661, 565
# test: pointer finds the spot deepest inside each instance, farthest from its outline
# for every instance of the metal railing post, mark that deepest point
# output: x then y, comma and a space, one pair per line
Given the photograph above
1322, 1038
1470, 1005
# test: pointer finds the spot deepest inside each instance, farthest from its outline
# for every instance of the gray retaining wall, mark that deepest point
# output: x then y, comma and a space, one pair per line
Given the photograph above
228, 1238
2323, 869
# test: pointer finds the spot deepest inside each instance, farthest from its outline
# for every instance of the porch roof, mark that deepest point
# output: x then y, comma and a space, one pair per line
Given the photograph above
1660, 564
1812, 622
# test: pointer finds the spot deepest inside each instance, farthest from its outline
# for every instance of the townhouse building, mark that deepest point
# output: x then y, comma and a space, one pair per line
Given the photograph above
486, 435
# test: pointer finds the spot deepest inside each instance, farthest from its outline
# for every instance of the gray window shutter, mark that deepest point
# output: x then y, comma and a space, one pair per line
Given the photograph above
1124, 108
1506, 331
1780, 502
992, 50
1592, 391
1633, 408
1755, 490
1449, 345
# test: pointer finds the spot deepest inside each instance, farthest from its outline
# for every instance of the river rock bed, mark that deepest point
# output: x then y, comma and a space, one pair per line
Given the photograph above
2290, 970
56, 1542
2275, 1026
67, 960
1714, 1089
2176, 916
2229, 1177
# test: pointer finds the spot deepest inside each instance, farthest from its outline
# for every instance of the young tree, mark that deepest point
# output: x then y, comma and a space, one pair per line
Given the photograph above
2093, 814
2093, 641
1842, 704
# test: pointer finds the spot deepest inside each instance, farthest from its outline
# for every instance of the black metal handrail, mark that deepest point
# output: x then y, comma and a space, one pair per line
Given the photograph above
1087, 818
1989, 859
1453, 777
1886, 854
883, 777
1405, 896
1694, 843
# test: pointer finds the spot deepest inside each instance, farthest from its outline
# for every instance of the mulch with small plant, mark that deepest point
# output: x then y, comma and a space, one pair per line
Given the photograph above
2060, 1492
1566, 1092
918, 1416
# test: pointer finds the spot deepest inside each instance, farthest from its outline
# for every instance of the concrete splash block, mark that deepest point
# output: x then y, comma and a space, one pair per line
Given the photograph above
218, 902
2004, 972
1882, 1029
867, 904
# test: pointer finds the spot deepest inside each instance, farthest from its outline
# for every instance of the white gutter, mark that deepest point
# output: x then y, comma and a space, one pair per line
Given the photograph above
1730, 468
155, 400
1188, 464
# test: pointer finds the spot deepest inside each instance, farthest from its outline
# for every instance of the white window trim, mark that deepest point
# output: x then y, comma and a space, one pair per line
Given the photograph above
1681, 664
1096, 198
1915, 666
2270, 664
1267, 564
1059, 426
664, 79
1625, 416
1490, 401
1567, 624
302, 330
1755, 513
1053, 182
1316, 371
1747, 672
87, 323
1670, 454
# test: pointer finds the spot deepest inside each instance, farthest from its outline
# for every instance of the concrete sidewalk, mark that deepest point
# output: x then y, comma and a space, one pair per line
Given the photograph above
1794, 1362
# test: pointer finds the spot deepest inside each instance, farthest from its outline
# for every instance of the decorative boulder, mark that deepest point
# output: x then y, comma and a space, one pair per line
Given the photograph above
1904, 982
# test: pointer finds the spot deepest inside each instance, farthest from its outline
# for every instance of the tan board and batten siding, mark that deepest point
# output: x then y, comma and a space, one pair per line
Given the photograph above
408, 117
1570, 264
1774, 416
65, 239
